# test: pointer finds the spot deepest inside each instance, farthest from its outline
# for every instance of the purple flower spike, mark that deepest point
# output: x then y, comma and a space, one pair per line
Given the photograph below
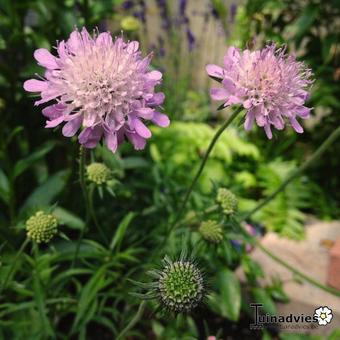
99, 85
271, 86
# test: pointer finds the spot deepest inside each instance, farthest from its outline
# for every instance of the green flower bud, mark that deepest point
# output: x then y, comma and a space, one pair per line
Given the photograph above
227, 200
211, 231
98, 173
41, 227
130, 23
180, 286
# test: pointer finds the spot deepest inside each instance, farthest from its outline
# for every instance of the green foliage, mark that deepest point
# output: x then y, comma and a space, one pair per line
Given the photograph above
80, 286
287, 205
177, 150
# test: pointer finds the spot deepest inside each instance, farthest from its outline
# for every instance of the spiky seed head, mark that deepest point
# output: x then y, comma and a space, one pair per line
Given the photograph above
180, 286
98, 173
41, 227
211, 231
227, 201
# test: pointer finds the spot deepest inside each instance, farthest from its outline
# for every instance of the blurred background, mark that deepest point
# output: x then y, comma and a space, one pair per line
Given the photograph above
39, 167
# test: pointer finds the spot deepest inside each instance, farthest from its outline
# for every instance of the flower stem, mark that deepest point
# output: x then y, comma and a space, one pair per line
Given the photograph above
303, 276
204, 161
133, 321
82, 160
94, 217
11, 269
324, 146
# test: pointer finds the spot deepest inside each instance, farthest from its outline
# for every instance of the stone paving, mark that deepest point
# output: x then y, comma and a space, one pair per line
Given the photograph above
312, 257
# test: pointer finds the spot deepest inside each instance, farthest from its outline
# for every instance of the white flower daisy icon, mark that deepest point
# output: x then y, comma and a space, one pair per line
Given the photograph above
324, 315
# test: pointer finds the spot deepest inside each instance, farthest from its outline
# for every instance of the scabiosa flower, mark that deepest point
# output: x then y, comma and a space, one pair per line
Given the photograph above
98, 173
41, 227
99, 85
180, 286
271, 86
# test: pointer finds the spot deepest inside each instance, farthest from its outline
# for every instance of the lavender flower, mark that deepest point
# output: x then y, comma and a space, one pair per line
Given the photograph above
102, 86
271, 86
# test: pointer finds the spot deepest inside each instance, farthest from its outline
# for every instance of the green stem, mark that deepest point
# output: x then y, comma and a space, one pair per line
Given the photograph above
11, 269
133, 321
94, 217
294, 270
82, 160
324, 146
200, 170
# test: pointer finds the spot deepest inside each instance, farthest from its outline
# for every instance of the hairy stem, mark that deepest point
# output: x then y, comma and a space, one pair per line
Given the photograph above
324, 146
94, 216
82, 160
133, 321
294, 270
203, 163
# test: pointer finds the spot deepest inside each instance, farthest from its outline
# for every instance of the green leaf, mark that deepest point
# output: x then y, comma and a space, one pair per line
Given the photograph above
4, 187
119, 234
261, 296
47, 192
89, 294
227, 300
134, 163
69, 219
25, 163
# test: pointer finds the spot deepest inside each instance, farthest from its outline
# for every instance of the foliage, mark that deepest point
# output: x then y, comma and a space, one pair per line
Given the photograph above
73, 288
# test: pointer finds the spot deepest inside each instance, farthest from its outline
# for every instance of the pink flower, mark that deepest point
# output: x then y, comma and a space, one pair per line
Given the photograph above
99, 85
270, 85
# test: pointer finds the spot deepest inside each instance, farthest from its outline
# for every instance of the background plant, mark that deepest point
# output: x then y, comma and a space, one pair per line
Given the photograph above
48, 296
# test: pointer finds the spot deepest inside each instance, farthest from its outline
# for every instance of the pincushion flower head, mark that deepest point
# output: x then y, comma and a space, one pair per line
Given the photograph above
101, 86
271, 85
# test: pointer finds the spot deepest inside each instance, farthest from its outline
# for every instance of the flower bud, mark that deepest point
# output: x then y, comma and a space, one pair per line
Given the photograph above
41, 227
211, 231
227, 201
98, 173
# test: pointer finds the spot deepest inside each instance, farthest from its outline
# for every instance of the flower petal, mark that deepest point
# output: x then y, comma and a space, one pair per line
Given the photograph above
34, 85
154, 75
268, 131
145, 112
111, 141
214, 71
141, 129
219, 94
133, 47
137, 141
45, 59
295, 124
55, 122
71, 127
90, 137
250, 117
161, 119
53, 111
